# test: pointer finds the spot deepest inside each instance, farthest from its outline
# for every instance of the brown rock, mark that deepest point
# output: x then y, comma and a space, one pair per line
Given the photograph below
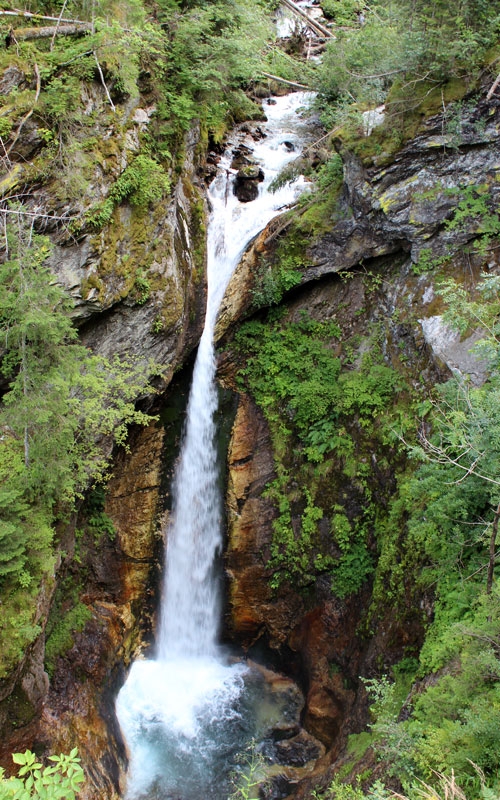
79, 709
253, 610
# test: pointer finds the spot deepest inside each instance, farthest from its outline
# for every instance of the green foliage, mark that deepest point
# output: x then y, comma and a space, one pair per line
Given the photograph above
310, 403
330, 174
427, 263
280, 63
250, 776
62, 779
343, 12
142, 183
61, 397
61, 401
374, 49
454, 724
445, 518
189, 62
214, 50
292, 371
337, 790
274, 280
475, 208
61, 97
407, 47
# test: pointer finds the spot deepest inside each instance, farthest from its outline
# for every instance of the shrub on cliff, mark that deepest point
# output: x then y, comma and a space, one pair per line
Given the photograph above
406, 46
61, 401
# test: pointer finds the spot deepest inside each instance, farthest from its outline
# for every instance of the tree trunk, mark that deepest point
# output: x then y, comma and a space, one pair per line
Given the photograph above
282, 80
491, 562
30, 15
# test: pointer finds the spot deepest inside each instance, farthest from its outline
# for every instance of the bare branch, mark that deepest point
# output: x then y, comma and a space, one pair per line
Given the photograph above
104, 82
493, 88
380, 75
439, 455
63, 9
37, 215
29, 15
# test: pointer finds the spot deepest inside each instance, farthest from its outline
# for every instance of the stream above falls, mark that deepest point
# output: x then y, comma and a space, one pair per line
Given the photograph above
188, 714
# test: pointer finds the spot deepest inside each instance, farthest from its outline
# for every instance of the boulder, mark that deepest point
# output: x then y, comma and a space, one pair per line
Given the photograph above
246, 184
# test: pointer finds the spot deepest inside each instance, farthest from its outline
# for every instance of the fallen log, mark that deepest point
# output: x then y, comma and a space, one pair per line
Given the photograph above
320, 29
48, 31
283, 80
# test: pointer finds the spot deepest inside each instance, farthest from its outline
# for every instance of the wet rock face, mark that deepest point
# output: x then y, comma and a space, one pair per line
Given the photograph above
252, 607
286, 750
280, 619
297, 751
248, 173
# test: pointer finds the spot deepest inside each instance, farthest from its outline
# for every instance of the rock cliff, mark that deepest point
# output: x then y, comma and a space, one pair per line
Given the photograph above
398, 219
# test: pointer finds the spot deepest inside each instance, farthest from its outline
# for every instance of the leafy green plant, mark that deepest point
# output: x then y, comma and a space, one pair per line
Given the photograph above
427, 263
142, 183
62, 779
250, 777
402, 55
272, 281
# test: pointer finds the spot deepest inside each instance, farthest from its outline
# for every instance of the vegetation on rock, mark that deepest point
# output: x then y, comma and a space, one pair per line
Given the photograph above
60, 401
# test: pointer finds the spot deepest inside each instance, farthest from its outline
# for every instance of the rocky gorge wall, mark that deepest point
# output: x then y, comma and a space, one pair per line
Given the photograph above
394, 224
138, 288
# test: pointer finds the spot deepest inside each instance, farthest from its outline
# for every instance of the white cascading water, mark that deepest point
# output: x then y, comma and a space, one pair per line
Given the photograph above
181, 714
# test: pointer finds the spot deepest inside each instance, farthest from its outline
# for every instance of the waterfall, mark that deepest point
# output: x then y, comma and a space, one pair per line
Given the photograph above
183, 713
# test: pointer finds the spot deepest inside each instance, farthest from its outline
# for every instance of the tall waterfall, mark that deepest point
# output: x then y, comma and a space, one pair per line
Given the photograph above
183, 714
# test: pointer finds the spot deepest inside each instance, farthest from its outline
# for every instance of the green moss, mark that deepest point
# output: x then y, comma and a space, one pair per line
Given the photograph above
197, 227
18, 625
404, 119
60, 639
171, 312
11, 180
92, 282
18, 709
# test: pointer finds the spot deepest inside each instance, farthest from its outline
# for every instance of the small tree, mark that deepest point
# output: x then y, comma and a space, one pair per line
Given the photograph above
462, 441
